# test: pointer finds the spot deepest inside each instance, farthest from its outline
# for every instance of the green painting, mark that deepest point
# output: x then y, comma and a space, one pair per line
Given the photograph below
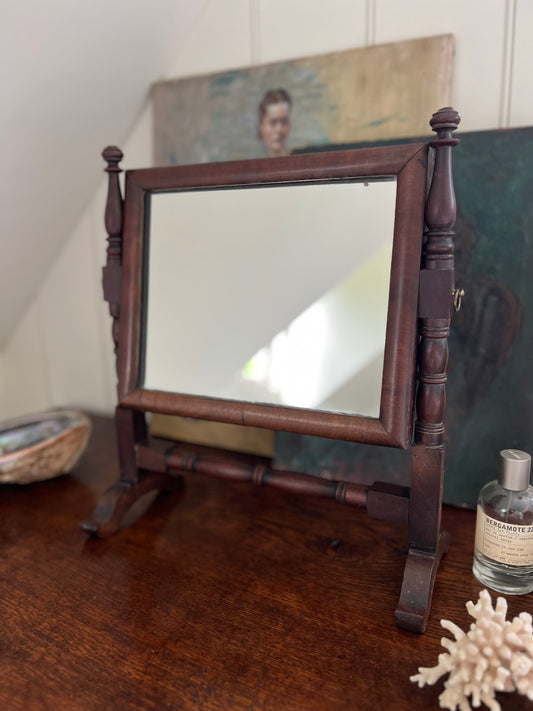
490, 381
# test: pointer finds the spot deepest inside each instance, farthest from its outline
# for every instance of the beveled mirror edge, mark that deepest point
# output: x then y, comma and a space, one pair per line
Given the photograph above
395, 424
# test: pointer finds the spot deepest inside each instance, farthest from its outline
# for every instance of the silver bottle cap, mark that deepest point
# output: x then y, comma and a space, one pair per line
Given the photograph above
515, 466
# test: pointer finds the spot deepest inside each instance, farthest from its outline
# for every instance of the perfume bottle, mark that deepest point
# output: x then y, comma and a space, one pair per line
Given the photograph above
503, 552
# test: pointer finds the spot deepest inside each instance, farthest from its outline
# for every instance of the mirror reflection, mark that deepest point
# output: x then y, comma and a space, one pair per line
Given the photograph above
271, 294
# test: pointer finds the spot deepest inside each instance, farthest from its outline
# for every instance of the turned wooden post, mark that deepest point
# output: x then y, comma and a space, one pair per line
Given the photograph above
131, 427
112, 272
436, 287
427, 543
436, 294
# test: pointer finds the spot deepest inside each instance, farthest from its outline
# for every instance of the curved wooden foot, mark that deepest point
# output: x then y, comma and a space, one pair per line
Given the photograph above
119, 499
414, 605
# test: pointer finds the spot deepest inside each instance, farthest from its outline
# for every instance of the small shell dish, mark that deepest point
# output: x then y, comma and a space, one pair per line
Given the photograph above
42, 446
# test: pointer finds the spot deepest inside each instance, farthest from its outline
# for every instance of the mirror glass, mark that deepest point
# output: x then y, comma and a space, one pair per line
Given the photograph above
273, 294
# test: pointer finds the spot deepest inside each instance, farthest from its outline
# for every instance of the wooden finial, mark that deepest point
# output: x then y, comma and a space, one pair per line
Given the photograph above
444, 122
112, 155
113, 210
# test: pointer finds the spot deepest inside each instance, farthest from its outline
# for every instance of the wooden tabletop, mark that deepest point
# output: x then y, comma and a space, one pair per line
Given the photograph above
222, 596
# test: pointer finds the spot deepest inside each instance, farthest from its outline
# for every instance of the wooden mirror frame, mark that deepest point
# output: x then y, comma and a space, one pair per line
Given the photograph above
416, 349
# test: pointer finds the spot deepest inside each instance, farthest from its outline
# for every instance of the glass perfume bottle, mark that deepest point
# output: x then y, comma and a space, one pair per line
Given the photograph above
503, 552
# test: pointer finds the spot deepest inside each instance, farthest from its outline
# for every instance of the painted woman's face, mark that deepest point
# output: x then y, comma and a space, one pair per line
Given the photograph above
274, 128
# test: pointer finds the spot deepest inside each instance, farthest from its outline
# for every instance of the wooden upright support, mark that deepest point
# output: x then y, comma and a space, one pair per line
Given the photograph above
130, 424
112, 272
427, 543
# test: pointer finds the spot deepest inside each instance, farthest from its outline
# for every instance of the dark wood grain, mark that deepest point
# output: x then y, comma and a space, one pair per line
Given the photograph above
226, 597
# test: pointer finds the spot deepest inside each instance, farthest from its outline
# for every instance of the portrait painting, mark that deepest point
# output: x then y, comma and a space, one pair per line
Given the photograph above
372, 93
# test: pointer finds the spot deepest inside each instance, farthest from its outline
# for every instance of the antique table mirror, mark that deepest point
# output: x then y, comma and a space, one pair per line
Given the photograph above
335, 269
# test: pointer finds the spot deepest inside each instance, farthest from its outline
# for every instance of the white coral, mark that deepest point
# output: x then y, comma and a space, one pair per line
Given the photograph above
494, 655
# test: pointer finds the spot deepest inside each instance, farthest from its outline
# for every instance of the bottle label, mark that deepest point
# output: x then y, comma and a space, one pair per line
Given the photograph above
508, 543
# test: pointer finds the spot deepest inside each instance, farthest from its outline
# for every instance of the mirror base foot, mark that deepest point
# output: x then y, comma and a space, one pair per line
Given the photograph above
121, 503
414, 605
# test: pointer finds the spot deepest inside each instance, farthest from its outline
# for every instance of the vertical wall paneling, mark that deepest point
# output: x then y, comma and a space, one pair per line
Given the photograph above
521, 94
255, 32
220, 40
370, 38
301, 28
478, 27
507, 63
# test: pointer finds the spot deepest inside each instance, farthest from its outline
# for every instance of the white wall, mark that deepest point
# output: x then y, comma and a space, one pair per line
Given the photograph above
61, 352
